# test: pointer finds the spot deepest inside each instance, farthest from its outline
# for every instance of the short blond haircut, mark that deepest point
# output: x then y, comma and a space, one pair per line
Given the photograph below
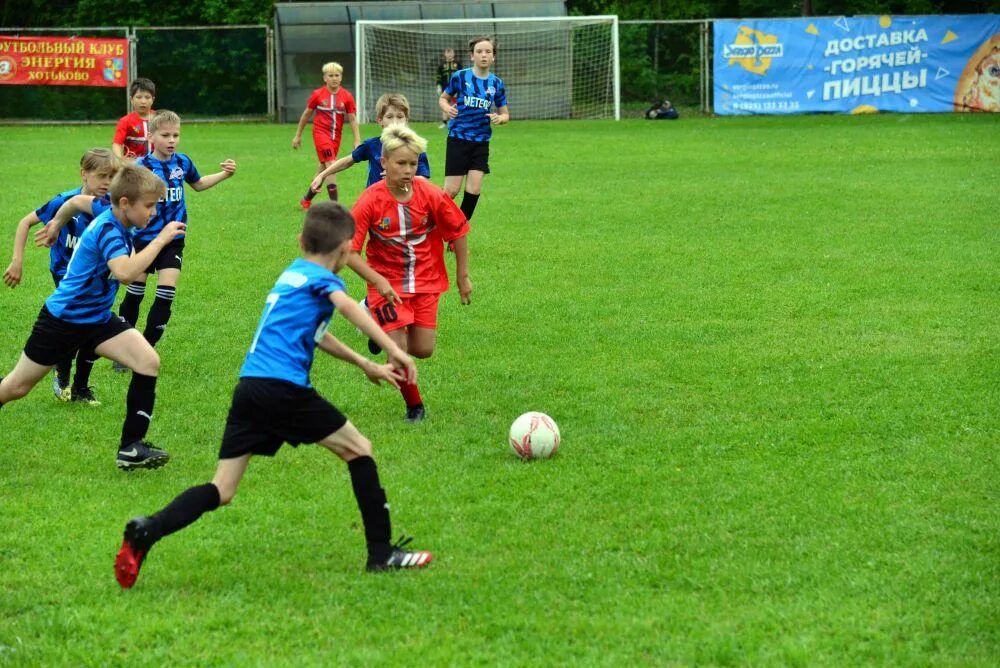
333, 67
399, 136
100, 161
133, 182
163, 117
397, 100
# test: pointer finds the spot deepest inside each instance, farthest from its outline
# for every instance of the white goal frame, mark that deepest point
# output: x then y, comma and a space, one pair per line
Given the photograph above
366, 115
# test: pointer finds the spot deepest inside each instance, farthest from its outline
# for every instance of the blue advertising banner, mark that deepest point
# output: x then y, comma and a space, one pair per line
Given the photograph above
857, 64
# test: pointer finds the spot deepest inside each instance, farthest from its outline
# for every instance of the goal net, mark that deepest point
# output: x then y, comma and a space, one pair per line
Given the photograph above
553, 67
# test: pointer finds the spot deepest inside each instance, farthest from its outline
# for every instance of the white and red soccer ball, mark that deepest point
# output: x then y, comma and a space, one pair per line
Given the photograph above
534, 435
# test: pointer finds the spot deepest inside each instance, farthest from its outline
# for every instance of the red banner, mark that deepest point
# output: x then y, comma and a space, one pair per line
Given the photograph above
63, 61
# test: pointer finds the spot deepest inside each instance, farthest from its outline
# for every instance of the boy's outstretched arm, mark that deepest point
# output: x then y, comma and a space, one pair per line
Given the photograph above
12, 276
376, 372
48, 235
462, 269
358, 317
339, 165
206, 182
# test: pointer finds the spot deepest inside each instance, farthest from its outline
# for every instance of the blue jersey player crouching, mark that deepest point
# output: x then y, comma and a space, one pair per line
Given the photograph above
78, 314
274, 401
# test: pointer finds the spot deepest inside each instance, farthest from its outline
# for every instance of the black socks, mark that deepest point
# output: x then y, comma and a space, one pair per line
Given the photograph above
129, 308
84, 364
159, 314
138, 408
185, 509
469, 202
373, 506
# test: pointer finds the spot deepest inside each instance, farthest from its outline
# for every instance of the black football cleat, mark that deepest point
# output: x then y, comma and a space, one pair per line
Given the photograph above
400, 559
84, 395
415, 414
141, 455
139, 537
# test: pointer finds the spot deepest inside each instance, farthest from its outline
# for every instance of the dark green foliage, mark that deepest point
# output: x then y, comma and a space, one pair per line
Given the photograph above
206, 72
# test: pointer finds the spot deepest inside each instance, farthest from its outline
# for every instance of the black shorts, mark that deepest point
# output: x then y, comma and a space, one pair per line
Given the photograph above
170, 257
463, 156
52, 340
266, 413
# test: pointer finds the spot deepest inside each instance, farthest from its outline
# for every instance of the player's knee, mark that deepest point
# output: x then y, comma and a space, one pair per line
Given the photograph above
452, 191
360, 446
16, 389
421, 351
149, 364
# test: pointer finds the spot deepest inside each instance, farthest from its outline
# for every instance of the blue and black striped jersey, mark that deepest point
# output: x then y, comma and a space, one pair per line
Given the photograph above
175, 172
87, 291
69, 235
474, 97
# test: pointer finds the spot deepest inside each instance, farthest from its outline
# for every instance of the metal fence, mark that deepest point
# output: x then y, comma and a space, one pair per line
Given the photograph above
229, 72
217, 72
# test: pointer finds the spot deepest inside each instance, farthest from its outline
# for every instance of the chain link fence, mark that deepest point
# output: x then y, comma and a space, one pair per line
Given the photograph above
228, 72
665, 60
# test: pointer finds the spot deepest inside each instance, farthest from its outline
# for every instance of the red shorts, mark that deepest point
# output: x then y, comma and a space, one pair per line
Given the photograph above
326, 148
420, 310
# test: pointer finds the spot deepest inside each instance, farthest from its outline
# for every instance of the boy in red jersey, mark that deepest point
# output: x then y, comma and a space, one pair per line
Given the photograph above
132, 133
407, 220
332, 103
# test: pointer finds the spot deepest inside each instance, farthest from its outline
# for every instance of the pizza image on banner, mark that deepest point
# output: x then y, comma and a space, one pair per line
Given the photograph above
978, 86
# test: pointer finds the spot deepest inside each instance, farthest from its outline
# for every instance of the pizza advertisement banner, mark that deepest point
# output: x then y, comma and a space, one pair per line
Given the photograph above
63, 61
857, 64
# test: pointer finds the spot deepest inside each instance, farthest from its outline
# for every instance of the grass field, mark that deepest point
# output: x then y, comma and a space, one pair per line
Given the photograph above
772, 345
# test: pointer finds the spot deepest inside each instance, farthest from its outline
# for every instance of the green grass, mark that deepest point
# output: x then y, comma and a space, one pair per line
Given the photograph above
772, 345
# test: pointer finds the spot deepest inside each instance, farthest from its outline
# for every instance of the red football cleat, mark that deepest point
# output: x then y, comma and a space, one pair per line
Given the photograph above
135, 546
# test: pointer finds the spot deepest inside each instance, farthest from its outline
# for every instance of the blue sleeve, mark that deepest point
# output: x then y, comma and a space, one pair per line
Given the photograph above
111, 244
324, 285
99, 206
191, 174
423, 166
500, 99
454, 85
362, 153
47, 211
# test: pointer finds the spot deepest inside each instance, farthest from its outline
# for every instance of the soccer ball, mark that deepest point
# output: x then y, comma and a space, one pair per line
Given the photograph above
534, 436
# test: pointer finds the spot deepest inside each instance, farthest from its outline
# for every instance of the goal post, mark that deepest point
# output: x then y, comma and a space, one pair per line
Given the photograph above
556, 67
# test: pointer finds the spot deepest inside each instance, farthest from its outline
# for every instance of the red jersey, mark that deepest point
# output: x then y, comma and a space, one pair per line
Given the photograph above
406, 241
330, 110
132, 133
